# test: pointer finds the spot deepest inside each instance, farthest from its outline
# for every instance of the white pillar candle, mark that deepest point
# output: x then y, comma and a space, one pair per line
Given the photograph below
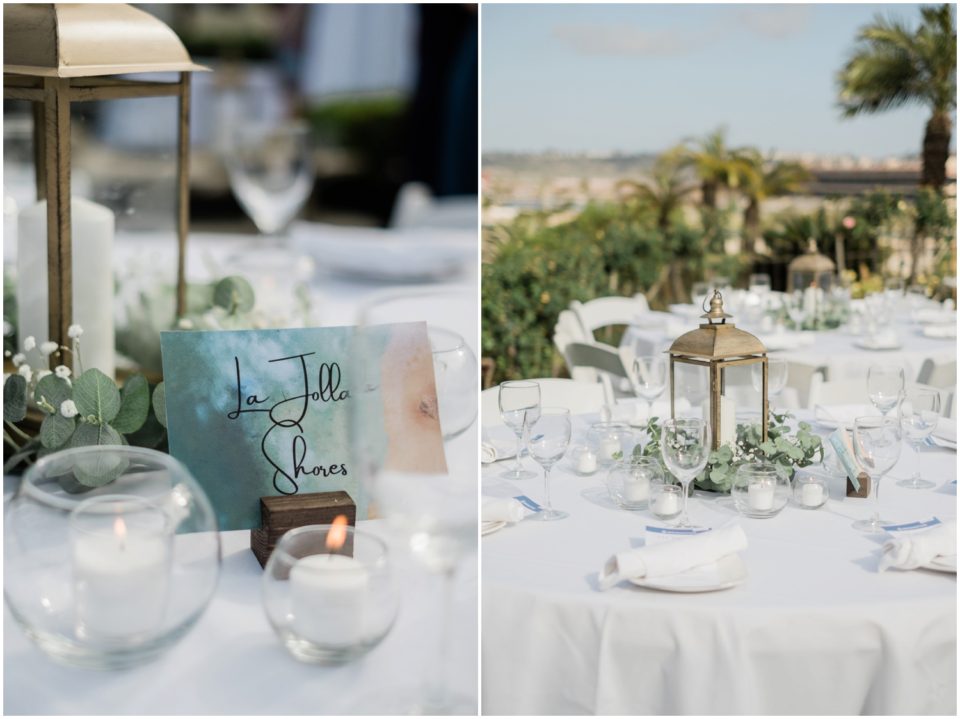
728, 421
760, 496
667, 503
636, 489
609, 446
121, 581
92, 229
811, 495
587, 461
326, 594
809, 302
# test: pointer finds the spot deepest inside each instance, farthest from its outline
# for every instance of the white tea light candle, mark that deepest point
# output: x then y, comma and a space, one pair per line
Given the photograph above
587, 461
760, 496
811, 495
326, 594
609, 447
636, 489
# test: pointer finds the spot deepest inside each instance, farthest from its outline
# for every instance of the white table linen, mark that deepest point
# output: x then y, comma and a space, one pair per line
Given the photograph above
814, 629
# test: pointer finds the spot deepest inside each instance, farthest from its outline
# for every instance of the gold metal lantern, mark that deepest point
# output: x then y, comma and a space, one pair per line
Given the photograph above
55, 55
811, 269
714, 347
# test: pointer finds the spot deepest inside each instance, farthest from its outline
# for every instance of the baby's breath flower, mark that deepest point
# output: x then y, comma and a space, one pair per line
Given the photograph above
185, 323
26, 372
62, 371
48, 348
74, 332
29, 343
18, 359
43, 373
68, 409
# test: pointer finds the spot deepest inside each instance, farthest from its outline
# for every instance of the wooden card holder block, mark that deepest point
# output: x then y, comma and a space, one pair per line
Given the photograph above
864, 490
278, 515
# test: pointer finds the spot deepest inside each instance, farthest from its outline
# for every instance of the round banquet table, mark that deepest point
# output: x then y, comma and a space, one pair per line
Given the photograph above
814, 628
834, 350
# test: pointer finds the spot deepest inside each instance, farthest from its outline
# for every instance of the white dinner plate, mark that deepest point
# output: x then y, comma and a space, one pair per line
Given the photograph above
491, 527
943, 564
730, 571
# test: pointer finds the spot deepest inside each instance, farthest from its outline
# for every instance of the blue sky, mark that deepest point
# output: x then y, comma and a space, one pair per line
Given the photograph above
639, 78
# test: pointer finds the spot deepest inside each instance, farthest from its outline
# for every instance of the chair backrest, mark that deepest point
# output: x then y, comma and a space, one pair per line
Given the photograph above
593, 354
606, 311
837, 392
578, 397
938, 374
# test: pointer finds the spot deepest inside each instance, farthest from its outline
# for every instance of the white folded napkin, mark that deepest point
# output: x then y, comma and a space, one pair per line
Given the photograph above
909, 550
501, 509
946, 431
843, 415
498, 443
940, 331
673, 557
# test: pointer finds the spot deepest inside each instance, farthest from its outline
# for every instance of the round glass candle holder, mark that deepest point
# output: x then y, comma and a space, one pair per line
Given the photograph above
330, 593
811, 490
628, 481
666, 499
610, 441
759, 491
583, 460
110, 577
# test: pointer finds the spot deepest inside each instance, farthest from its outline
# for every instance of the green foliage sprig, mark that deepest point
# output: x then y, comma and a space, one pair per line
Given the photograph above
783, 450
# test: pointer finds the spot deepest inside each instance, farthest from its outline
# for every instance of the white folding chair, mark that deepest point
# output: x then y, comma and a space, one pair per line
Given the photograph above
606, 311
578, 397
938, 374
605, 360
568, 330
836, 392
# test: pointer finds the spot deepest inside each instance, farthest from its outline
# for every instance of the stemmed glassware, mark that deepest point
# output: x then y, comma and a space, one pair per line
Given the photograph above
876, 443
271, 172
519, 408
548, 438
795, 310
776, 376
685, 447
885, 384
649, 378
919, 411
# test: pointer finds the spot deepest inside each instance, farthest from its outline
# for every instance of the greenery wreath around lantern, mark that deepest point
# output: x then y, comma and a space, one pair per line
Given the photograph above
787, 451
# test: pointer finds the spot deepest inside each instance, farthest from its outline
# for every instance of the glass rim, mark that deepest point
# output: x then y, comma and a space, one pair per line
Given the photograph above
529, 383
315, 529
872, 420
84, 508
29, 483
458, 341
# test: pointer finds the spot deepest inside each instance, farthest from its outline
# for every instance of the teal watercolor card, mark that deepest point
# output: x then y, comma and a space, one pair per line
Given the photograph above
256, 413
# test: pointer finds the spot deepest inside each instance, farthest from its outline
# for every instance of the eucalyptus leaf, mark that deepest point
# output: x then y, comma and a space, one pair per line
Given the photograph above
234, 294
98, 469
56, 430
134, 405
150, 435
160, 404
14, 398
53, 390
96, 395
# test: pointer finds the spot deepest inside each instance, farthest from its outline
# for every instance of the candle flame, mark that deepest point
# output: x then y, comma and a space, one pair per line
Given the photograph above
337, 534
120, 529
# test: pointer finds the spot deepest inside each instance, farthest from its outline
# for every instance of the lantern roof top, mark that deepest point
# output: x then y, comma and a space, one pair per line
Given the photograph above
716, 339
86, 40
811, 261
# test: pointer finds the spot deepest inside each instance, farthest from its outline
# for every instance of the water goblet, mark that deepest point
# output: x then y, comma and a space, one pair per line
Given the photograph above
685, 447
547, 442
876, 443
649, 378
918, 411
519, 408
885, 384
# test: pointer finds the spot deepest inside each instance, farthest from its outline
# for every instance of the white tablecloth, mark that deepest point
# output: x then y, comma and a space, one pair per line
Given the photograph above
813, 630
835, 350
233, 663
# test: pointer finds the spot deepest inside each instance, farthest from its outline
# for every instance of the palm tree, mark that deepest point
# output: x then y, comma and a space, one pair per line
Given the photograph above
767, 179
892, 66
716, 164
664, 191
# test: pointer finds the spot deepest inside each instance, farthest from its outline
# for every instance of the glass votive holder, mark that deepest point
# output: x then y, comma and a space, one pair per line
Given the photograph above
583, 460
666, 498
610, 441
628, 481
330, 593
810, 490
759, 490
109, 577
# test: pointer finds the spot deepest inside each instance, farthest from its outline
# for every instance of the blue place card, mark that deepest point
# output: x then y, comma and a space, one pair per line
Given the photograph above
911, 525
269, 412
677, 531
528, 503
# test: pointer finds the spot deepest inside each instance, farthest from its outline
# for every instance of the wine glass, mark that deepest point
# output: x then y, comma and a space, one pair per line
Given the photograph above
685, 447
796, 311
876, 443
519, 408
547, 442
776, 376
649, 378
919, 411
885, 386
271, 172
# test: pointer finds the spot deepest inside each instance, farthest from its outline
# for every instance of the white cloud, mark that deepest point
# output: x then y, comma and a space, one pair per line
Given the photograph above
775, 21
621, 40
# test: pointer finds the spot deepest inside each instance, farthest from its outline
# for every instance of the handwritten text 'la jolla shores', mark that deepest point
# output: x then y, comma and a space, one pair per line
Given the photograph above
328, 391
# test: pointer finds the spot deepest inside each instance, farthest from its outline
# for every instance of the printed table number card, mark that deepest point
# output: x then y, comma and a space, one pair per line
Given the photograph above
258, 413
